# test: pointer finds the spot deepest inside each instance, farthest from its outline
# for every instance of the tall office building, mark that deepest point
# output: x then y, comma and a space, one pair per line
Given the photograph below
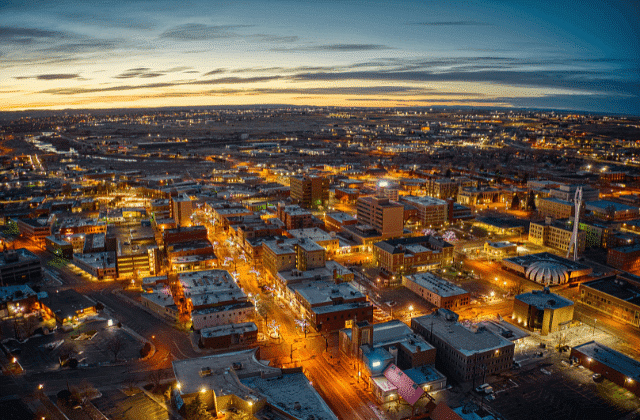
181, 210
387, 217
309, 191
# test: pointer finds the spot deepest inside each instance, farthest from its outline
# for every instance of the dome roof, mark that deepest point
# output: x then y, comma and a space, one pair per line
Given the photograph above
547, 272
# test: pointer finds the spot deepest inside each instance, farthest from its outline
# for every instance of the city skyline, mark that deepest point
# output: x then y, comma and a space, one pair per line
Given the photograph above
359, 53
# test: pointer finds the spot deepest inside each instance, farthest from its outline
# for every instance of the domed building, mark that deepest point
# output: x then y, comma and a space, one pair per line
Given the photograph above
547, 269
549, 273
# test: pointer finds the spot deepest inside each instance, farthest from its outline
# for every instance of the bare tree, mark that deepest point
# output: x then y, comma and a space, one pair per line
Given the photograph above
156, 377
114, 345
518, 287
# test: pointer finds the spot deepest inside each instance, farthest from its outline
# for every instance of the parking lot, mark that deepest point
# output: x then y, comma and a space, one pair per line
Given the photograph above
545, 388
91, 343
130, 406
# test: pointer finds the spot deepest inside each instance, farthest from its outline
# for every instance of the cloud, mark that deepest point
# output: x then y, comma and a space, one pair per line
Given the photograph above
233, 80
178, 69
453, 23
51, 77
337, 48
108, 20
22, 36
147, 73
216, 71
273, 38
200, 32
220, 81
142, 72
77, 91
86, 45
257, 69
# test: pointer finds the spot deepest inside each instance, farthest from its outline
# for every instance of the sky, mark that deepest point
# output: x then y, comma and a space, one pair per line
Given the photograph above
570, 55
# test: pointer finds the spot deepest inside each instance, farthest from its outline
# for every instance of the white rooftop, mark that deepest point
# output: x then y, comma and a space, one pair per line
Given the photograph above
435, 284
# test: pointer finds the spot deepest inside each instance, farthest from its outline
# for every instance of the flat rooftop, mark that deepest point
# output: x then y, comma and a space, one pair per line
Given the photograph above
603, 205
424, 374
97, 259
613, 359
292, 393
616, 287
435, 284
215, 373
20, 255
424, 201
323, 293
161, 296
315, 234
17, 292
323, 273
544, 300
504, 329
627, 249
342, 307
467, 340
502, 244
224, 330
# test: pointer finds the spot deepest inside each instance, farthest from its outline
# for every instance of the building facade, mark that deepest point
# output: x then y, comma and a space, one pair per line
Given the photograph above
436, 290
555, 235
415, 254
464, 353
624, 258
309, 191
617, 296
542, 311
431, 211
385, 216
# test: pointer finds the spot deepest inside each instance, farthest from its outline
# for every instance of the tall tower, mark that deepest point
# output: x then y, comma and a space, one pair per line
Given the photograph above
576, 222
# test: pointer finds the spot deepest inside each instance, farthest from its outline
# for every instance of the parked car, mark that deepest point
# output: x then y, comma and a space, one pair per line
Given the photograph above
484, 389
597, 377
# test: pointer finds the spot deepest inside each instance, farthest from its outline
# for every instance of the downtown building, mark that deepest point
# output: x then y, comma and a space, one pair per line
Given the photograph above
294, 253
555, 234
542, 311
464, 353
19, 266
386, 217
328, 306
309, 191
410, 255
617, 296
255, 390
35, 230
431, 211
182, 209
436, 290
213, 298
392, 359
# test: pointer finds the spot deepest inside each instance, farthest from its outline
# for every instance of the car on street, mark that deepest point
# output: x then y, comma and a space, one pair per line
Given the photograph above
484, 389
